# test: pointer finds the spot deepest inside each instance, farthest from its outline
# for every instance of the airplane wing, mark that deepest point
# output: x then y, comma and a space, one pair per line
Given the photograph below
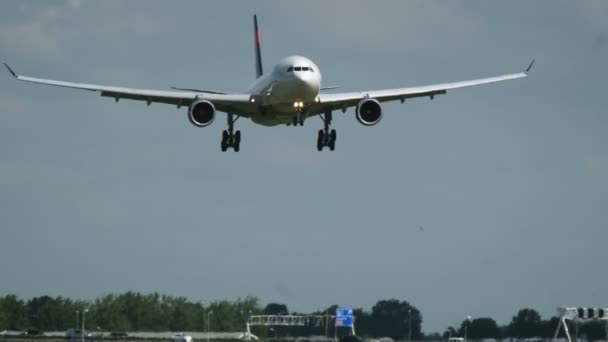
342, 101
235, 103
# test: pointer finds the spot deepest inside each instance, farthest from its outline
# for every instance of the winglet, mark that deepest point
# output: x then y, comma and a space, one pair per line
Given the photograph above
530, 66
10, 70
258, 53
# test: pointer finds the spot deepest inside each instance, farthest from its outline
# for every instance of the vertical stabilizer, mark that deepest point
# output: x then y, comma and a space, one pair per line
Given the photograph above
258, 54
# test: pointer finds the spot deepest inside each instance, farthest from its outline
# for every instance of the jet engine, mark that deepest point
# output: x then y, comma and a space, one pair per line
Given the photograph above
369, 112
201, 113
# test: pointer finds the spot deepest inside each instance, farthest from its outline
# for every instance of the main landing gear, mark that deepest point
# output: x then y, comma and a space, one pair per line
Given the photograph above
230, 138
326, 137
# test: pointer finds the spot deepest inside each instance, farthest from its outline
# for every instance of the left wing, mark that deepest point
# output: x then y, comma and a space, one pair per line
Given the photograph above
235, 103
342, 101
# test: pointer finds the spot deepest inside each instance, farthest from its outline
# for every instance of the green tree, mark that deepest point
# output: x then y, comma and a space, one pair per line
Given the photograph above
450, 332
3, 318
549, 327
15, 313
527, 323
480, 328
391, 318
276, 309
593, 330
363, 321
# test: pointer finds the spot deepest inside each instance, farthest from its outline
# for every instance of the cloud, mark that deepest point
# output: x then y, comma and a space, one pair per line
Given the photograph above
596, 163
595, 12
48, 30
38, 34
388, 24
293, 155
11, 105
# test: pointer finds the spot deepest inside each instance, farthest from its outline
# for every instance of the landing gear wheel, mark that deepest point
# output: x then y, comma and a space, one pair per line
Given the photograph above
237, 137
326, 137
332, 140
320, 140
230, 137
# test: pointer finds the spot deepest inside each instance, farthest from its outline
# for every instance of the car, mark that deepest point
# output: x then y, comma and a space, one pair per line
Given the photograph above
33, 332
456, 339
181, 337
77, 333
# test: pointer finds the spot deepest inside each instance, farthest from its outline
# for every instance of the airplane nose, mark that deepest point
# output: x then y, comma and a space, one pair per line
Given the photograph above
308, 81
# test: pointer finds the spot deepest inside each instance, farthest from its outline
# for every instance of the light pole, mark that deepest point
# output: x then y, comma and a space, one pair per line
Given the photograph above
208, 324
325, 309
82, 330
409, 324
466, 325
77, 313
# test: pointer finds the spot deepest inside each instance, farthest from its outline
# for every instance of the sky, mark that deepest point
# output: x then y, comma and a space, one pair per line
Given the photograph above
479, 203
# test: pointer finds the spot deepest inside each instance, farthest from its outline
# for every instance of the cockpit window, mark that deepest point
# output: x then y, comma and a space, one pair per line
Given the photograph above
311, 69
304, 68
290, 69
297, 68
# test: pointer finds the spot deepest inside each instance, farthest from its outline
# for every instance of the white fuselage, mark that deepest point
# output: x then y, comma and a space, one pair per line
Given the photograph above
286, 91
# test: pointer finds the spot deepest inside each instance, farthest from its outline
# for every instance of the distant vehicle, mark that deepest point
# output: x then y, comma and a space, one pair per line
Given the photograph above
352, 338
181, 337
456, 339
77, 334
116, 334
33, 332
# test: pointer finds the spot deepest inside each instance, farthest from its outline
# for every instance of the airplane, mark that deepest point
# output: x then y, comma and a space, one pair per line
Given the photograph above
287, 95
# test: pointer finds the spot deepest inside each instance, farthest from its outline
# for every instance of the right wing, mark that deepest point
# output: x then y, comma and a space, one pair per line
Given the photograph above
327, 102
239, 104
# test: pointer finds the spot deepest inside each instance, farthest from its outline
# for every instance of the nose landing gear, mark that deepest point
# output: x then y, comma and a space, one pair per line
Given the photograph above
298, 120
326, 137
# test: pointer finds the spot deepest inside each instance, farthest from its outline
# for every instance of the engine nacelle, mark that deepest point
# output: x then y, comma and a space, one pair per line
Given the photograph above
369, 112
201, 113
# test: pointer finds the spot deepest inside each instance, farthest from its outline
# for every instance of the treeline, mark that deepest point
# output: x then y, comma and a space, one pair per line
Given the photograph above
130, 311
133, 311
528, 323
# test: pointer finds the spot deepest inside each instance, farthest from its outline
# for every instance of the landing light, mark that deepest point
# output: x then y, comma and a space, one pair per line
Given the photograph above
298, 104
252, 100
